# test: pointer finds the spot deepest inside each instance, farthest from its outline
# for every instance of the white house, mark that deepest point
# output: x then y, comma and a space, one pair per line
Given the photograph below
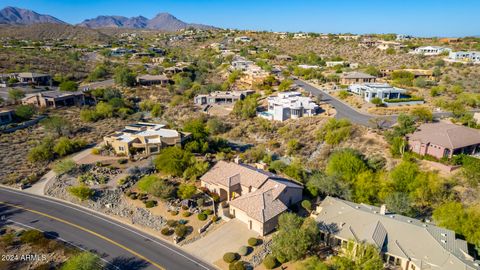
383, 91
309, 66
289, 105
431, 50
462, 56
242, 39
334, 63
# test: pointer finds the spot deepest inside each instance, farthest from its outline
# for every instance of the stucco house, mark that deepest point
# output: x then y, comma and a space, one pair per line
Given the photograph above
403, 242
34, 78
256, 197
54, 99
431, 50
356, 78
222, 97
444, 140
464, 56
289, 105
144, 138
153, 80
383, 91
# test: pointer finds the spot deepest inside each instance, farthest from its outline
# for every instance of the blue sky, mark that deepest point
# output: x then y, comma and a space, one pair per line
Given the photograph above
417, 17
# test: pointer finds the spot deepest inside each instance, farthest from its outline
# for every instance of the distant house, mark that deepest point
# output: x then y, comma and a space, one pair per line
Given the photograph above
356, 78
283, 57
289, 105
55, 99
256, 197
335, 63
34, 78
431, 50
383, 91
403, 242
240, 63
144, 138
444, 140
153, 80
309, 66
221, 97
243, 39
403, 37
384, 45
417, 73
6, 116
469, 57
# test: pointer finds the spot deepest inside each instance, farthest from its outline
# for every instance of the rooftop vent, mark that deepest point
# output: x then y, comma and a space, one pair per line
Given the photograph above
443, 241
444, 234
409, 221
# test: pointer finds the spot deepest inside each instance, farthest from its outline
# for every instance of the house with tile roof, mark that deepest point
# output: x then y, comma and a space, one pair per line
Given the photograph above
144, 138
255, 197
405, 243
444, 139
356, 78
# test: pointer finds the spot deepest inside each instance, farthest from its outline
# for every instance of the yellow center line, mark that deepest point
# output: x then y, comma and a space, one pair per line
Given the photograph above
86, 230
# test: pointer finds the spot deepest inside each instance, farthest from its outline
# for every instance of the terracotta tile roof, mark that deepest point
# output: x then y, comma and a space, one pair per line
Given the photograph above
223, 172
261, 205
446, 135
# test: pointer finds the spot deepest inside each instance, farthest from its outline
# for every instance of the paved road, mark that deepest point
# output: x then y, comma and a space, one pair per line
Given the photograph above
345, 111
122, 246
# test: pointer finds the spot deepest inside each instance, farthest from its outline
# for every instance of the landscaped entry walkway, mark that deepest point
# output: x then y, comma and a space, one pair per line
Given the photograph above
228, 238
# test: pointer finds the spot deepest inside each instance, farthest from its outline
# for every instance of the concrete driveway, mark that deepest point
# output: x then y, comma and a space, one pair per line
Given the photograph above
228, 238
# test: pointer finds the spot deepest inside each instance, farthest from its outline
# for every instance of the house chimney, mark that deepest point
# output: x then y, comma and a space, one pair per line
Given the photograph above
383, 209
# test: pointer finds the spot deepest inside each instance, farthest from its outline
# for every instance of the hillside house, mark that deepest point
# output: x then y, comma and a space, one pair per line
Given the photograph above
243, 39
431, 50
383, 91
54, 99
289, 105
144, 138
34, 78
463, 56
444, 140
222, 97
403, 242
255, 197
348, 78
153, 80
335, 63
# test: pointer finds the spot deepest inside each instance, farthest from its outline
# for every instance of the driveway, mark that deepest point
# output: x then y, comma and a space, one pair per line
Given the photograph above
228, 238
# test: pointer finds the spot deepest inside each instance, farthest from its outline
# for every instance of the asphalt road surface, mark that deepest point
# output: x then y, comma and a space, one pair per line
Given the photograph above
119, 245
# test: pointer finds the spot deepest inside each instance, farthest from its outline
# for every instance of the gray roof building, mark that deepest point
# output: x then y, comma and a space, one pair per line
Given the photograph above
403, 241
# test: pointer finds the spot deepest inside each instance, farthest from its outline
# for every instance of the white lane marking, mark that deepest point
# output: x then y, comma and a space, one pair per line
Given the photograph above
106, 220
59, 238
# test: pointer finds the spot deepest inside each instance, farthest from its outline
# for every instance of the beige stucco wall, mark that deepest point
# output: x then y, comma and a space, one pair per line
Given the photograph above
242, 216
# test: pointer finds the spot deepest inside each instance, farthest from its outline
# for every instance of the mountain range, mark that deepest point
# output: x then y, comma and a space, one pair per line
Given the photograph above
162, 21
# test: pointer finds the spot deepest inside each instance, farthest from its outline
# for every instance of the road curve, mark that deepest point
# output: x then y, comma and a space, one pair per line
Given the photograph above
122, 246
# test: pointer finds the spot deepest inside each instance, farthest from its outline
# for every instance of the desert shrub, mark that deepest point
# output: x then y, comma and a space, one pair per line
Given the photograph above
270, 262
208, 211
307, 205
122, 161
335, 131
87, 115
82, 192
174, 213
186, 214
166, 231
8, 239
186, 191
95, 151
83, 261
42, 152
239, 265
24, 112
152, 184
32, 237
172, 223
65, 146
252, 241
133, 196
230, 257
64, 166
202, 216
181, 230
243, 251
150, 204
184, 207
215, 218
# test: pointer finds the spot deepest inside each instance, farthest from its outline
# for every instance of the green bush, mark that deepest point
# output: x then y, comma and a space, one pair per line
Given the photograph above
150, 204
24, 112
166, 231
397, 100
238, 265
270, 262
83, 261
32, 237
122, 161
208, 211
230, 257
181, 230
174, 213
243, 251
82, 192
133, 196
186, 214
202, 216
172, 223
307, 205
252, 241
64, 166
215, 218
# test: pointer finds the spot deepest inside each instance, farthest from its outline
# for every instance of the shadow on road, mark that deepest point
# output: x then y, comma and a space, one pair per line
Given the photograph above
124, 263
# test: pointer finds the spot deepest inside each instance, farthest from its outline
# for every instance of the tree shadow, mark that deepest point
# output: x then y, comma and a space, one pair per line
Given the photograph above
123, 263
